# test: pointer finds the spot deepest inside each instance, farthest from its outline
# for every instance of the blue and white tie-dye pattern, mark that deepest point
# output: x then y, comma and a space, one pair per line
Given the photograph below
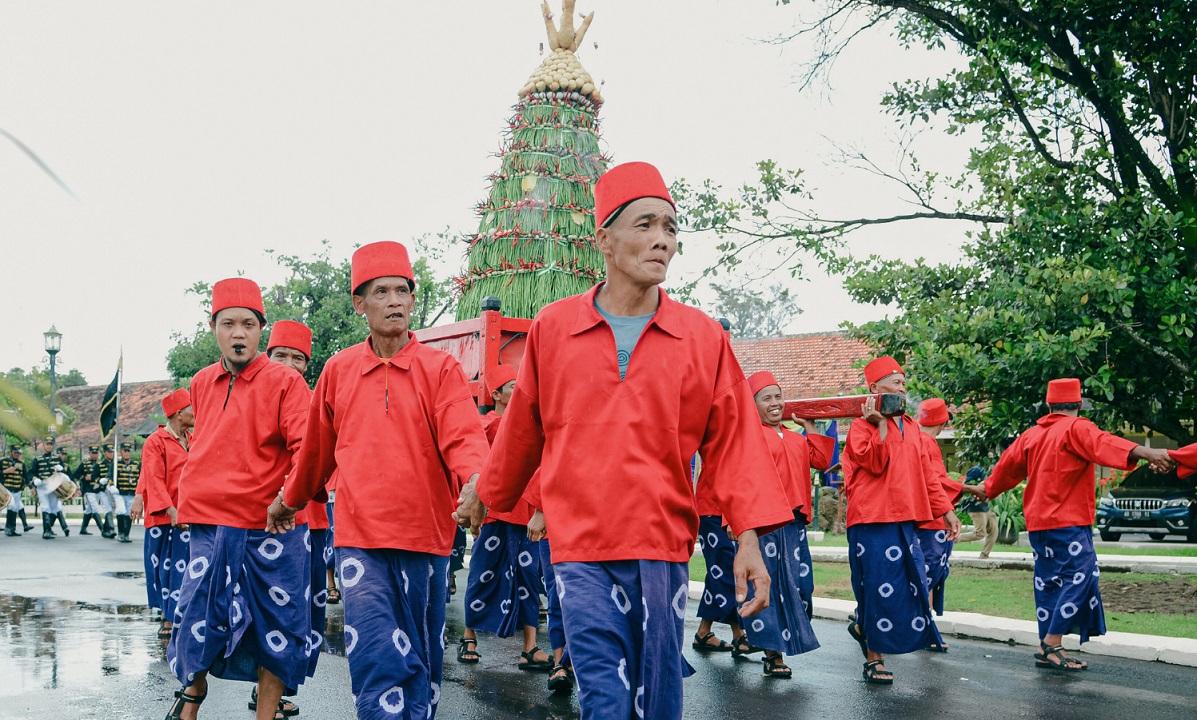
784, 626
321, 556
937, 553
556, 625
806, 567
890, 587
504, 585
1067, 596
394, 631
173, 569
624, 625
155, 552
244, 603
718, 601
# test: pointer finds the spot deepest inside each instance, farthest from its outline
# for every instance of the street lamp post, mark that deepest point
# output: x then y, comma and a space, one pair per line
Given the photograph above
53, 345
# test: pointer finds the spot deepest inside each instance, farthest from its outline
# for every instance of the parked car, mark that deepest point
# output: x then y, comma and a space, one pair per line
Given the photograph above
1159, 505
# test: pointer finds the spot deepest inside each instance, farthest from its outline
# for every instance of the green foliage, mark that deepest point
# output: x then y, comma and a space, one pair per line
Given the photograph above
24, 406
1008, 509
316, 292
535, 238
755, 313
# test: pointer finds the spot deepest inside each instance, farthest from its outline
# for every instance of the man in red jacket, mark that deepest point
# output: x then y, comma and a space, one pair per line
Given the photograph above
398, 423
618, 388
890, 487
242, 613
1056, 458
167, 544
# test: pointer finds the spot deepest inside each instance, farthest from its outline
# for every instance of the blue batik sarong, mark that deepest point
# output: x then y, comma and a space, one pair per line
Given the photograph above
156, 553
245, 603
394, 631
624, 623
321, 555
890, 587
456, 557
806, 567
783, 626
555, 624
718, 601
504, 587
937, 553
173, 569
1067, 596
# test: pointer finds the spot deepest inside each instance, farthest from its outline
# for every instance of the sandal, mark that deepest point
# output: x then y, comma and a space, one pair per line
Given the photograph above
465, 650
775, 667
334, 596
163, 631
741, 647
531, 664
937, 647
703, 645
877, 675
1068, 664
561, 680
452, 584
182, 699
286, 708
859, 638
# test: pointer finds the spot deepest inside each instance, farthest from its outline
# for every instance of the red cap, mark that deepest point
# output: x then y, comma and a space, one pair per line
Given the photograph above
1064, 390
882, 367
1186, 460
237, 292
761, 380
624, 183
933, 412
288, 333
380, 259
499, 376
175, 402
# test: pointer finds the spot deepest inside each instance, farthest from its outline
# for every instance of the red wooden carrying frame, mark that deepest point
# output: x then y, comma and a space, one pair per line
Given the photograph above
480, 345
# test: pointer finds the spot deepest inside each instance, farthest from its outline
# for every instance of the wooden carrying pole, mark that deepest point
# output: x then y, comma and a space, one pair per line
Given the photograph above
846, 406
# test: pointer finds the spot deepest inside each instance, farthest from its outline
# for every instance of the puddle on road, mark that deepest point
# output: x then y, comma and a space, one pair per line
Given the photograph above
49, 644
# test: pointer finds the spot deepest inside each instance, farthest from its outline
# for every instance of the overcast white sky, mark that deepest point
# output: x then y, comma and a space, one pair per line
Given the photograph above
198, 135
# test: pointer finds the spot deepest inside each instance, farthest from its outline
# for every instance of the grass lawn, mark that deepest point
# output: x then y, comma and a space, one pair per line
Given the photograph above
1003, 593
1163, 549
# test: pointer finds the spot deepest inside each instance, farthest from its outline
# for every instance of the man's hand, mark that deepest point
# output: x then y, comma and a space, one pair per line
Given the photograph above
749, 566
137, 510
470, 510
807, 424
869, 411
279, 517
1159, 459
536, 527
953, 523
173, 513
977, 491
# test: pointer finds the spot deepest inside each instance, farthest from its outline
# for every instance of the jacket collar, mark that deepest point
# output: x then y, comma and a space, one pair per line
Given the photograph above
255, 366
667, 317
370, 361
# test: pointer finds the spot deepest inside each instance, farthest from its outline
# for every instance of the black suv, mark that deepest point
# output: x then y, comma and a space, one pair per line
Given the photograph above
1145, 502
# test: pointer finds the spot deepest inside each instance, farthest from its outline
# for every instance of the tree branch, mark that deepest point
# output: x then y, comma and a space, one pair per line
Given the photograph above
1185, 371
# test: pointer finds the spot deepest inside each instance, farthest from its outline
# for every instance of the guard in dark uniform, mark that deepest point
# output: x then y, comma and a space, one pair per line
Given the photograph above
41, 469
105, 488
87, 475
128, 471
15, 477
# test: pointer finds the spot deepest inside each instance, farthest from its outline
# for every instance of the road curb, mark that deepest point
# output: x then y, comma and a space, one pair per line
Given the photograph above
1156, 564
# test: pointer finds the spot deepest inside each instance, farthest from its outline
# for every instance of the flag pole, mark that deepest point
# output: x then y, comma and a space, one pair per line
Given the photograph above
116, 425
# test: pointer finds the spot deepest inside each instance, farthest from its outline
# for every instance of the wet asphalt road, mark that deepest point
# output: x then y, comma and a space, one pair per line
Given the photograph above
76, 642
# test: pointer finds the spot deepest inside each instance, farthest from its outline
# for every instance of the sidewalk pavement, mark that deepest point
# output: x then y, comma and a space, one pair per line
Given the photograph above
1175, 651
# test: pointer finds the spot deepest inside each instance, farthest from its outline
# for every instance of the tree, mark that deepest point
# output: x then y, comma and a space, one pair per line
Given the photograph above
316, 292
753, 313
25, 401
1083, 256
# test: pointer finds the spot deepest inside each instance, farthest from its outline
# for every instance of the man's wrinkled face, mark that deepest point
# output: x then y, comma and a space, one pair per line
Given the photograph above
290, 357
387, 303
641, 242
893, 383
186, 418
769, 405
502, 396
238, 332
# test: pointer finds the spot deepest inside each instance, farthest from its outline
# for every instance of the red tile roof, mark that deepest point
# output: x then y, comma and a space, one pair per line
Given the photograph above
811, 365
140, 401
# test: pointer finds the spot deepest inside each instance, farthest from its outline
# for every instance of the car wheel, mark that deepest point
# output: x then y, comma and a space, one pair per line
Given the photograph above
1157, 536
1108, 536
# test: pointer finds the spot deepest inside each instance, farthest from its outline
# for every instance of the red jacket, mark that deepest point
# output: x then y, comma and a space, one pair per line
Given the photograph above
615, 455
523, 509
953, 489
162, 461
400, 434
890, 481
1056, 457
802, 453
247, 431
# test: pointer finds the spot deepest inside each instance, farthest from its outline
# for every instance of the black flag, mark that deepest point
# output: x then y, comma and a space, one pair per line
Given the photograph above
110, 407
